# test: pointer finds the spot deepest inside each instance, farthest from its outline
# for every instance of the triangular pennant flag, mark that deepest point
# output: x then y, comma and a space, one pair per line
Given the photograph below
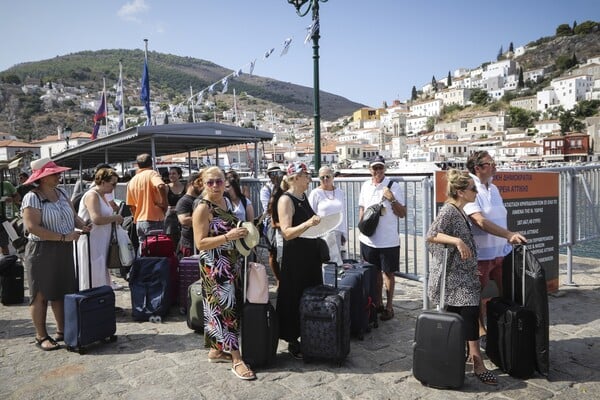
286, 46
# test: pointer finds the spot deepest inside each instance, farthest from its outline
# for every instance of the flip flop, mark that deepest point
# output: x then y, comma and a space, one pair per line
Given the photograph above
221, 358
59, 337
38, 344
248, 375
387, 315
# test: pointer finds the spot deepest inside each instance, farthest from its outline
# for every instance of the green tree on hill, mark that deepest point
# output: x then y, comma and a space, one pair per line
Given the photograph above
564, 30
480, 97
413, 95
585, 28
449, 80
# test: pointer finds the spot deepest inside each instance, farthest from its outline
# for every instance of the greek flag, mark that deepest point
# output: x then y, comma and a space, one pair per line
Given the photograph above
119, 101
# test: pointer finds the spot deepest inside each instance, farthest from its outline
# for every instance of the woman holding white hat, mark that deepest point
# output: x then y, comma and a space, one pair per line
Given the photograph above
50, 219
301, 262
215, 231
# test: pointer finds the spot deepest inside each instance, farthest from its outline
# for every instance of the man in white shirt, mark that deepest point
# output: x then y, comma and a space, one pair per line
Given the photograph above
382, 248
489, 218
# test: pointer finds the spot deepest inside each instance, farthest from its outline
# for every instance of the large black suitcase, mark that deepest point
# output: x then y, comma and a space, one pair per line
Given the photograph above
370, 272
259, 330
325, 323
89, 314
352, 280
536, 298
149, 281
439, 346
12, 287
511, 334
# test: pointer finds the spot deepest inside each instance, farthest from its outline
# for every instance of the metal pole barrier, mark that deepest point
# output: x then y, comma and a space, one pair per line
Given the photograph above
427, 195
571, 224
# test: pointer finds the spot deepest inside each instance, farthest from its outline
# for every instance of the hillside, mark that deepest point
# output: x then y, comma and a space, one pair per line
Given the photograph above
171, 77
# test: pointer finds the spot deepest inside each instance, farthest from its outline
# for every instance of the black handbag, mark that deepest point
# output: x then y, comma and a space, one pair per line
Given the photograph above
323, 250
114, 259
370, 219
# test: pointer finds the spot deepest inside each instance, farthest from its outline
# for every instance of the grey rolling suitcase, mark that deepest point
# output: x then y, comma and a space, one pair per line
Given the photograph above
439, 346
325, 323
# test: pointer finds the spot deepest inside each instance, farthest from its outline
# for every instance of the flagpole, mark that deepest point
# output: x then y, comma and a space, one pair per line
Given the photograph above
122, 103
146, 84
192, 104
105, 106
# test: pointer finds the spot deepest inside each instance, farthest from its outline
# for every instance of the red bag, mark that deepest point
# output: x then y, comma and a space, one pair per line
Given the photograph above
159, 245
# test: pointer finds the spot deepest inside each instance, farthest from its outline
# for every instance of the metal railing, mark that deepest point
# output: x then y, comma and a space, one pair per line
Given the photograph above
579, 214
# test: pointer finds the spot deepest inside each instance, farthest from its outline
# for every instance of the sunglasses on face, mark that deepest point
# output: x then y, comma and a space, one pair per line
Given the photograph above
472, 189
491, 163
325, 177
274, 174
214, 182
377, 167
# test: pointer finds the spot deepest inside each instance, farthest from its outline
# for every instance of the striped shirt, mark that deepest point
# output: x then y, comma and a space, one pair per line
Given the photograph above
56, 216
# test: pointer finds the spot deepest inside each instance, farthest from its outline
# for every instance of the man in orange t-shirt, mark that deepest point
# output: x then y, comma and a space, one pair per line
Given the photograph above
147, 197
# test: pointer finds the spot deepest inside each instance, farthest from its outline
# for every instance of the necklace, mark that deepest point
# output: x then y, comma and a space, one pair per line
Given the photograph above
301, 197
332, 194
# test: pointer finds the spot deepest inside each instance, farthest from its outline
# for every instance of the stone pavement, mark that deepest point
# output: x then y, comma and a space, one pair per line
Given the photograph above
167, 360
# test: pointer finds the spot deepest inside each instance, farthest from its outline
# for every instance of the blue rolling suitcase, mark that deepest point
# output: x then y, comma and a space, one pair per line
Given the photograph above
325, 323
439, 346
89, 315
353, 281
149, 281
369, 272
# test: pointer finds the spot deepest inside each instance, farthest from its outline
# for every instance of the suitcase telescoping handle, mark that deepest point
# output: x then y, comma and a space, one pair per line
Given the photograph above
87, 234
442, 304
514, 273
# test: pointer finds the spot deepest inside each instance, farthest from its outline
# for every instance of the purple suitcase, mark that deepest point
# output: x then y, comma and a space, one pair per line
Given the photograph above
188, 273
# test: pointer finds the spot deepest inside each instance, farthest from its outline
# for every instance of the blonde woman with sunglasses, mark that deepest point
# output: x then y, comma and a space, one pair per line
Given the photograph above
326, 199
215, 231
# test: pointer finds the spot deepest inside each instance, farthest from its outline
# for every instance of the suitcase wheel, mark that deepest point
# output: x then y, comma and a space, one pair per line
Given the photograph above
111, 339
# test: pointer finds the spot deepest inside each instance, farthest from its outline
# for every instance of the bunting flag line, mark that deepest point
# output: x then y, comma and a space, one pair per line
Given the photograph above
119, 101
286, 46
269, 52
312, 29
99, 116
225, 83
145, 92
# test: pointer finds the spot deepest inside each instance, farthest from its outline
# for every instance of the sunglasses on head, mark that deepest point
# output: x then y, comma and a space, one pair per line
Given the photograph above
323, 177
213, 182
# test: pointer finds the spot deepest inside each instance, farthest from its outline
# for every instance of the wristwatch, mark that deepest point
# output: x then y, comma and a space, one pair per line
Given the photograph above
393, 201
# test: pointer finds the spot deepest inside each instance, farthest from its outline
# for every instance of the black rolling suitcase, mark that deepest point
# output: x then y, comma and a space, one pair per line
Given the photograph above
536, 298
89, 314
353, 281
325, 323
439, 347
369, 272
511, 334
259, 330
12, 287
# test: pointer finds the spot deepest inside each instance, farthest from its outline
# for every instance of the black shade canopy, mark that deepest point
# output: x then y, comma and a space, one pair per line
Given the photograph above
167, 139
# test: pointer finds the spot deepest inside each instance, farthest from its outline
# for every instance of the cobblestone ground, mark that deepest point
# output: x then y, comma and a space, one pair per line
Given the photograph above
167, 360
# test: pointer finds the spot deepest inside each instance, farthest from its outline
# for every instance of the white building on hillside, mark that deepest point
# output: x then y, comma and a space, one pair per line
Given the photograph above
457, 96
431, 108
572, 89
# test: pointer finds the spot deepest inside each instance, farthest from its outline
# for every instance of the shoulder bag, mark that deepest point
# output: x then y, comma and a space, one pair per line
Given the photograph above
113, 260
370, 219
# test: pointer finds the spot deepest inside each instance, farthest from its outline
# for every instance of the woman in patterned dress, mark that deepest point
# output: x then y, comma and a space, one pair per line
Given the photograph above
451, 229
215, 231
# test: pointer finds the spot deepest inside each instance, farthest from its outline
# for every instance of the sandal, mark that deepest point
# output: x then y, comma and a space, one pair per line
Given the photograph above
387, 315
487, 377
59, 337
221, 358
39, 344
247, 375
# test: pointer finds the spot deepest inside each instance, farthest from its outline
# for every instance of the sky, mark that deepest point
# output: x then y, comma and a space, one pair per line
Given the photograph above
370, 51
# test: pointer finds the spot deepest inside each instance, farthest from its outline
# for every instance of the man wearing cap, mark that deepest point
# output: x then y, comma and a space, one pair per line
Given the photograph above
275, 175
382, 249
147, 197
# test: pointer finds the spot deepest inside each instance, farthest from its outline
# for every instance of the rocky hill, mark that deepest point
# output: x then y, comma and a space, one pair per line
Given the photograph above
25, 115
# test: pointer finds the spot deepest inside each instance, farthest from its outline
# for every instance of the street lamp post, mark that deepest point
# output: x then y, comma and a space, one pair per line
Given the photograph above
314, 5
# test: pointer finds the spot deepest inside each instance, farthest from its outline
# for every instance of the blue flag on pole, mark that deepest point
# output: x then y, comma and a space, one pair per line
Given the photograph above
145, 92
